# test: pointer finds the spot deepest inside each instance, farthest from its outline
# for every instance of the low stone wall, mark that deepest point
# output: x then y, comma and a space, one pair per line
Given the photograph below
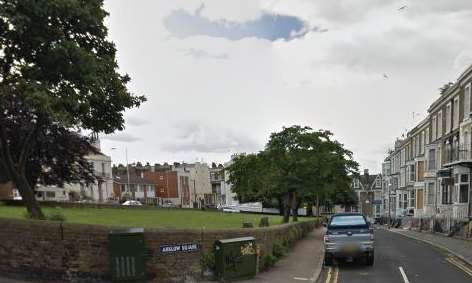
55, 252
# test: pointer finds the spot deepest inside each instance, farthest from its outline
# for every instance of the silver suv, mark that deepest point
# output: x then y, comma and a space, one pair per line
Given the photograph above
349, 235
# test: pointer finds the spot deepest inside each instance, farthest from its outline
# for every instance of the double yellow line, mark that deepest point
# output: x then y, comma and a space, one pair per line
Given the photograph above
459, 264
332, 276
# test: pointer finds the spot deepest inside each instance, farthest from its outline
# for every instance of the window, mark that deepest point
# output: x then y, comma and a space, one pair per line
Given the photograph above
356, 183
463, 188
350, 220
103, 169
420, 173
467, 95
426, 138
411, 169
161, 177
440, 125
455, 116
150, 189
433, 128
448, 117
378, 183
422, 142
405, 201
445, 194
50, 194
432, 159
464, 193
412, 198
430, 192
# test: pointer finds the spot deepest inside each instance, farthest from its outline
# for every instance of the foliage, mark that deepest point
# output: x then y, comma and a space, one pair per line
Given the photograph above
444, 89
297, 165
58, 74
207, 261
264, 222
248, 224
268, 261
279, 249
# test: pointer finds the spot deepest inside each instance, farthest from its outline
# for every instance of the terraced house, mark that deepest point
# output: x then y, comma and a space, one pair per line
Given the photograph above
431, 168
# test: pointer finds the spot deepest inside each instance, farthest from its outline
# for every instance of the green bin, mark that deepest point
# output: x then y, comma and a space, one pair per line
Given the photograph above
236, 258
127, 255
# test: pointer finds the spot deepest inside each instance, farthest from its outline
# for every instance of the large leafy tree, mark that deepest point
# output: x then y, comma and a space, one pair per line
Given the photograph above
296, 166
58, 74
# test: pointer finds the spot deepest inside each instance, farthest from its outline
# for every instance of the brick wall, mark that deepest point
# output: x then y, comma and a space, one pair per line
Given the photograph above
55, 252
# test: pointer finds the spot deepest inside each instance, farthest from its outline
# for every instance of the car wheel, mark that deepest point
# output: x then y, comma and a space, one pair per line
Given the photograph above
370, 260
328, 260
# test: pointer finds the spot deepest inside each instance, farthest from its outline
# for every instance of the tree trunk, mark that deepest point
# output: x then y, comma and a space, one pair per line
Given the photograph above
294, 208
27, 194
317, 205
309, 209
287, 207
281, 205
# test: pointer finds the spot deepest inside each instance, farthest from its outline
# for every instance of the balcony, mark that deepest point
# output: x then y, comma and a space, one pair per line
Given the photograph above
455, 155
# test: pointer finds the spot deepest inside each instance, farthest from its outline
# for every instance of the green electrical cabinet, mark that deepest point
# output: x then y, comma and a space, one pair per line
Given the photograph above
236, 258
127, 255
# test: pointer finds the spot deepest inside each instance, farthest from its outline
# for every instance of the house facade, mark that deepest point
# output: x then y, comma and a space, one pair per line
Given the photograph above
369, 194
433, 162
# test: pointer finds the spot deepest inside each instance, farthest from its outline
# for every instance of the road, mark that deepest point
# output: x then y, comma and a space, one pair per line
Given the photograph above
400, 259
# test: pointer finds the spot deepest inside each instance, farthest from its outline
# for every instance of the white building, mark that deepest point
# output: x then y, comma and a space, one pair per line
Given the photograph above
100, 191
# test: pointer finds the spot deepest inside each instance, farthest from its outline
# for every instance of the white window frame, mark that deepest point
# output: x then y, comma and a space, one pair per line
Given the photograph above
467, 100
448, 117
455, 113
440, 124
426, 136
434, 128
430, 192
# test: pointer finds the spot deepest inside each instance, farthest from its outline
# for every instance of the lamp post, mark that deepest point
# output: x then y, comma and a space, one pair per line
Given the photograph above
127, 167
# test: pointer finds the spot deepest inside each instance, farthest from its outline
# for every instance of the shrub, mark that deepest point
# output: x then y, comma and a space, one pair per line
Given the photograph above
278, 249
269, 260
264, 222
248, 225
207, 262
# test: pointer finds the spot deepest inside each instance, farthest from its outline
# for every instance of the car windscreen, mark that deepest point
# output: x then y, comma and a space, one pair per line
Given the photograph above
347, 220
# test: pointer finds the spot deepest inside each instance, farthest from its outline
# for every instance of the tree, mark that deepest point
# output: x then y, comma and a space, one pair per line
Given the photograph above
57, 69
296, 166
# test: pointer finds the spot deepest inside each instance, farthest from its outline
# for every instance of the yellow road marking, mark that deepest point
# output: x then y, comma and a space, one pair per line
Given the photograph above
332, 276
459, 265
328, 277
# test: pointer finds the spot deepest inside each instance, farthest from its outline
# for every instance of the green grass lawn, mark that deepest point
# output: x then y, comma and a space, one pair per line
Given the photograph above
149, 218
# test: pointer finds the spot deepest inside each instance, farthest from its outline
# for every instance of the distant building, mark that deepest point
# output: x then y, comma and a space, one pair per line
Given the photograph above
369, 193
135, 187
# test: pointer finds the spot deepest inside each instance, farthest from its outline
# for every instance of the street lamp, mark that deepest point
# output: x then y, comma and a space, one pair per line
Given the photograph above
127, 167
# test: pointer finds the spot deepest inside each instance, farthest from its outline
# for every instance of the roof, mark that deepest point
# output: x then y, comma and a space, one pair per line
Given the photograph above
133, 179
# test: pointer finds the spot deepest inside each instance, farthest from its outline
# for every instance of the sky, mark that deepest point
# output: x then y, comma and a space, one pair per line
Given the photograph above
221, 75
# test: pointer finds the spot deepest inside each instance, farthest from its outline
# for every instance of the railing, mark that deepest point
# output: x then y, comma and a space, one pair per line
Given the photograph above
461, 153
460, 210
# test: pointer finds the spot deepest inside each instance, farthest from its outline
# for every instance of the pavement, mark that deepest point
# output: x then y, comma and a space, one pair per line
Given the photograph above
302, 264
399, 258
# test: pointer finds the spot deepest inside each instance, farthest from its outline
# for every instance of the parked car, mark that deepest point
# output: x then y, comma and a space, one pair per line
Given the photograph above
349, 235
168, 204
132, 203
230, 209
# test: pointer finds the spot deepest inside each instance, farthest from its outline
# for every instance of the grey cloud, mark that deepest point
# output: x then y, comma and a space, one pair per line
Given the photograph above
121, 137
202, 54
205, 139
268, 26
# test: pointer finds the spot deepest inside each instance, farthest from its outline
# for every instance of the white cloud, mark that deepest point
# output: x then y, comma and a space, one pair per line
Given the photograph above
328, 80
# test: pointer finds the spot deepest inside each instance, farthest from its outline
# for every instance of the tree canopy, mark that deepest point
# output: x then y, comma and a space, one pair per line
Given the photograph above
58, 76
297, 164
